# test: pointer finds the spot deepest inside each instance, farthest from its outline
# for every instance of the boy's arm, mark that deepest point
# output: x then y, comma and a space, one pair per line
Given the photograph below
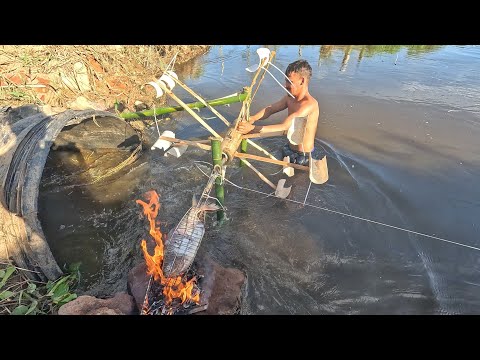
285, 124
269, 110
246, 127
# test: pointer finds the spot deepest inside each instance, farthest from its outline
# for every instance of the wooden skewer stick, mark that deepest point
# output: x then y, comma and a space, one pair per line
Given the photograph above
271, 161
198, 144
260, 175
201, 144
258, 147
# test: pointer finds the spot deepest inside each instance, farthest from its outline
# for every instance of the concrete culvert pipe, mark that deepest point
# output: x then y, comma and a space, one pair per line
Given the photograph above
25, 143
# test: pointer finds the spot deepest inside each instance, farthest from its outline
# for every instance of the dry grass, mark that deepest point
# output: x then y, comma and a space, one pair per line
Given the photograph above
57, 74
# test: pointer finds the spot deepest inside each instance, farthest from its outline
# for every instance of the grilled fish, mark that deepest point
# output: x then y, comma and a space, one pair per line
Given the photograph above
184, 240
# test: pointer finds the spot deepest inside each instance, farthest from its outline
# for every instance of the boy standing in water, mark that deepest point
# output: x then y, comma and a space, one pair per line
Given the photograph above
302, 105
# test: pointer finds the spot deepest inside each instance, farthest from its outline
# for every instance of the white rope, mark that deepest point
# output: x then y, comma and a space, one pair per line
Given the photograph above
286, 77
156, 122
218, 201
174, 58
308, 190
355, 217
283, 87
202, 162
216, 175
276, 173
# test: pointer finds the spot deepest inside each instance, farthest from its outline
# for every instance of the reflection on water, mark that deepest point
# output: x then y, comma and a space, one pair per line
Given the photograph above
345, 59
194, 66
191, 69
400, 128
325, 52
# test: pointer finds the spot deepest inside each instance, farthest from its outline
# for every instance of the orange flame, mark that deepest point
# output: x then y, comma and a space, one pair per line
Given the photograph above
173, 288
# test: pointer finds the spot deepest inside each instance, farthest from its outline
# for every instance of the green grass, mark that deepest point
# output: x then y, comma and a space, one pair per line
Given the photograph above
20, 295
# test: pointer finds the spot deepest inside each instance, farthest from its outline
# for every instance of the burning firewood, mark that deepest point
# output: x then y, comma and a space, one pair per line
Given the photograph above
165, 295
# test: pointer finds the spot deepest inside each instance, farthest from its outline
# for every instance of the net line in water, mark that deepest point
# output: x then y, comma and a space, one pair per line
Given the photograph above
342, 213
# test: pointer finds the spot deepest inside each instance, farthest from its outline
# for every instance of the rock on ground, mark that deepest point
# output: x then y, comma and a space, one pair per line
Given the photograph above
221, 287
120, 304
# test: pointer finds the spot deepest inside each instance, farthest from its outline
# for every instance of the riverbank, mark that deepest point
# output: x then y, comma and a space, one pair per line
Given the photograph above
52, 79
71, 76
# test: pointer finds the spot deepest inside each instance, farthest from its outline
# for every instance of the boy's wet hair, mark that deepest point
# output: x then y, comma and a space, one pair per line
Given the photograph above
301, 67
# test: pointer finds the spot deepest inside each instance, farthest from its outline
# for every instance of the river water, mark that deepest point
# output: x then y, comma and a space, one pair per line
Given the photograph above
400, 127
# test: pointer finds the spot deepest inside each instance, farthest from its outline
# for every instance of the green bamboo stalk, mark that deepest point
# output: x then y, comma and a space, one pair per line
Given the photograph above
169, 109
219, 190
243, 149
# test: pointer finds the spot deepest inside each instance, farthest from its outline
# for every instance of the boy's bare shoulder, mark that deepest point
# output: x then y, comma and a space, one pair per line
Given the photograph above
312, 103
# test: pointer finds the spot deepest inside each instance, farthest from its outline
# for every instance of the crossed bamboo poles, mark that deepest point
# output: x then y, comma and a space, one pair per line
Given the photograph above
244, 113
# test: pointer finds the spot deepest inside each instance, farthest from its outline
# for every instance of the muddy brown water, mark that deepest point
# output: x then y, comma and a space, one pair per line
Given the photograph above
400, 127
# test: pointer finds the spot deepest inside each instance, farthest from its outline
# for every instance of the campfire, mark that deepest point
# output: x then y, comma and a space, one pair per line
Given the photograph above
164, 295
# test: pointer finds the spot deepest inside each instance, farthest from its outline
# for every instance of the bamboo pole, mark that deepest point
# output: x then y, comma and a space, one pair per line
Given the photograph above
239, 97
258, 147
244, 142
190, 111
206, 104
271, 161
200, 144
243, 149
260, 175
249, 100
263, 135
272, 55
219, 190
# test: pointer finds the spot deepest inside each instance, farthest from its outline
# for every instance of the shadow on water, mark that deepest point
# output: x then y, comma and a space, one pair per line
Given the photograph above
401, 142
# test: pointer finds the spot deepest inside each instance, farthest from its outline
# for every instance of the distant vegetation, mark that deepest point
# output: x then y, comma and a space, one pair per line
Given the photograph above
371, 50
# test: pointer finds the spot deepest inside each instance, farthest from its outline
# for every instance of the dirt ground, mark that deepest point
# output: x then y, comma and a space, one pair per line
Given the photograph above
71, 76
